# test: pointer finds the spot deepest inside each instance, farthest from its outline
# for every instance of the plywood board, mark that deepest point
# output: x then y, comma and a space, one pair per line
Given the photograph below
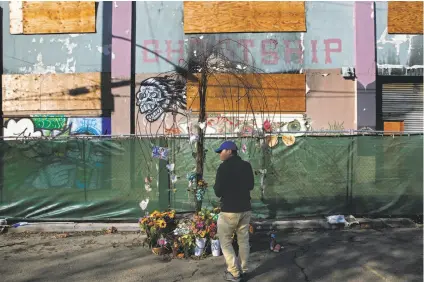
16, 17
243, 16
37, 17
405, 17
51, 92
251, 92
73, 113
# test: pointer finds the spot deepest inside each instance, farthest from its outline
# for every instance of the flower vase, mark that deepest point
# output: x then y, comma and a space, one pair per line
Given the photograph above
216, 248
158, 251
200, 246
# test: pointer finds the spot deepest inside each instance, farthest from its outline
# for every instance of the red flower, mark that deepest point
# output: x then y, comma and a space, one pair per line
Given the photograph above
267, 126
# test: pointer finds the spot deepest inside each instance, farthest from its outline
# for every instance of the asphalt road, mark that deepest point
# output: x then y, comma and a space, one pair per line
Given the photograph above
353, 255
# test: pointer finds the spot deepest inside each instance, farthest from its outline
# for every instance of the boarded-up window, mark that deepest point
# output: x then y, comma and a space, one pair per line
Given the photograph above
251, 92
405, 17
243, 16
38, 17
394, 126
49, 93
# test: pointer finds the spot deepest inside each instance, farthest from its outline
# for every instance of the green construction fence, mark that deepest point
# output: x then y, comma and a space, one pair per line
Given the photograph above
103, 179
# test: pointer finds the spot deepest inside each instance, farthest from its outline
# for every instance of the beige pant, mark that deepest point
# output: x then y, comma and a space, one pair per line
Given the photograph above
227, 224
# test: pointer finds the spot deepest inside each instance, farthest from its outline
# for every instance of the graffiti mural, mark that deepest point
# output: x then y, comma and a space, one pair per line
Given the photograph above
246, 125
56, 125
159, 95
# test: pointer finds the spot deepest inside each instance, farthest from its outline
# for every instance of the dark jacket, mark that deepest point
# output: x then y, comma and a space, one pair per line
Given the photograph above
234, 181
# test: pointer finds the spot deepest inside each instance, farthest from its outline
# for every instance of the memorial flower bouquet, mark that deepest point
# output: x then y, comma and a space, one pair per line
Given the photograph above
183, 239
199, 227
158, 227
202, 185
187, 242
212, 230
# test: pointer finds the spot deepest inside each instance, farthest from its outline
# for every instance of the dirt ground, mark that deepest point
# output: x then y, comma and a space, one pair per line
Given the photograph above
352, 255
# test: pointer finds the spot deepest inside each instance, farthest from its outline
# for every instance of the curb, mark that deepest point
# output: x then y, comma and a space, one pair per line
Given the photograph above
280, 225
73, 227
322, 224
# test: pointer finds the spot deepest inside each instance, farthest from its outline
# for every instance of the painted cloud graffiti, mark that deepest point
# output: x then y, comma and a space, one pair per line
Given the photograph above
158, 95
56, 125
21, 128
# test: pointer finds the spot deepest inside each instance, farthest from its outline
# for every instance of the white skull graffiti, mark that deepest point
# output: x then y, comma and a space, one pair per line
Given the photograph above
159, 95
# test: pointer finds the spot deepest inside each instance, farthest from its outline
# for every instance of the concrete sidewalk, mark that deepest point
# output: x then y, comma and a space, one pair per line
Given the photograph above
391, 254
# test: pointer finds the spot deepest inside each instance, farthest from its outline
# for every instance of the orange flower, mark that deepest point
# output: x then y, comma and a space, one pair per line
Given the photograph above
155, 214
171, 214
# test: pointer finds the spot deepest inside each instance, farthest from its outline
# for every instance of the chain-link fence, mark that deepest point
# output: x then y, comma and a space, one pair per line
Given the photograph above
113, 178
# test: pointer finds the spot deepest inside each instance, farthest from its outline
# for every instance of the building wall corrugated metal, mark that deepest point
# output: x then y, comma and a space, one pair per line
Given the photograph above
404, 102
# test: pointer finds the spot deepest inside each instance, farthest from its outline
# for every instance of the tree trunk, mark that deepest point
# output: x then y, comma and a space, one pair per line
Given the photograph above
200, 154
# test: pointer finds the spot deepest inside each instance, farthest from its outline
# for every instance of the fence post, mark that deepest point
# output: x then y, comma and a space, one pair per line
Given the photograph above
351, 175
85, 169
348, 176
163, 177
3, 144
132, 141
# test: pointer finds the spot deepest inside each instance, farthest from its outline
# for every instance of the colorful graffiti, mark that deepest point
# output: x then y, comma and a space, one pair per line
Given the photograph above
56, 125
244, 125
158, 95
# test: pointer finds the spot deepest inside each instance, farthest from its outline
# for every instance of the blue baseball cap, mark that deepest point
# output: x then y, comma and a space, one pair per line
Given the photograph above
227, 145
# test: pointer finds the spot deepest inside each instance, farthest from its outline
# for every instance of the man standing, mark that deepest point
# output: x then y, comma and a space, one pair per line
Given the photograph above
234, 181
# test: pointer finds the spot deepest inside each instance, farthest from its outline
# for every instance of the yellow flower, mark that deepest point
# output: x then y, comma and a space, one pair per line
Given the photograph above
216, 210
171, 214
161, 223
202, 234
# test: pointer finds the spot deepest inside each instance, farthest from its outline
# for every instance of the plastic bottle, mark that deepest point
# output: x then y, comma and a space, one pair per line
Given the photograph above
20, 224
273, 242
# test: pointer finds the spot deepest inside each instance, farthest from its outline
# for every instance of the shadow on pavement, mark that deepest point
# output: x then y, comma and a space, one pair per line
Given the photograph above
370, 255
